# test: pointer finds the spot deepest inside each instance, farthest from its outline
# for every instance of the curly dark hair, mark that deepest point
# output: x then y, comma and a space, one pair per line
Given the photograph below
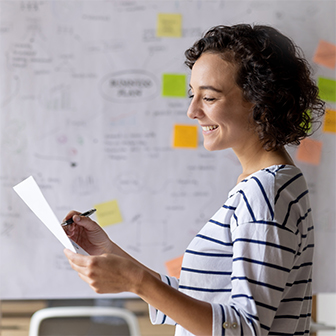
273, 75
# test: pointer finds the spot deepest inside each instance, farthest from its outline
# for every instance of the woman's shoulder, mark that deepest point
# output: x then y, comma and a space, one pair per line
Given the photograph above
267, 192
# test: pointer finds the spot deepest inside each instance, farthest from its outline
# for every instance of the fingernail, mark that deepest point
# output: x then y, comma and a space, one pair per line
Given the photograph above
76, 218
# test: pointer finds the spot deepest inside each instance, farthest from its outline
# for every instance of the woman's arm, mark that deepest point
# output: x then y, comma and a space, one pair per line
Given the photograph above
193, 315
109, 269
110, 273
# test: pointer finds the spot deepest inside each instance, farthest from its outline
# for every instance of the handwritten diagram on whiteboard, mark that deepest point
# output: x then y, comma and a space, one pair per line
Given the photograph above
93, 101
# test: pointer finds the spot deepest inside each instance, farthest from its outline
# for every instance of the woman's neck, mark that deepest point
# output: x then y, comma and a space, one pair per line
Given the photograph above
258, 158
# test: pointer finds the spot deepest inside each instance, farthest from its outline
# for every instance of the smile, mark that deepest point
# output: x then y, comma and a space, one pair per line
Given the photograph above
209, 128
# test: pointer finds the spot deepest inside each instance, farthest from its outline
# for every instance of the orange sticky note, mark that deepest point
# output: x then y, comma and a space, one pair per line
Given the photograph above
185, 136
329, 124
174, 267
325, 54
309, 151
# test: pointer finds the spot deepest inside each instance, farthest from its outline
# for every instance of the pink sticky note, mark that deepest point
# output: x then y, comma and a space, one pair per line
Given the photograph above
325, 54
174, 266
309, 151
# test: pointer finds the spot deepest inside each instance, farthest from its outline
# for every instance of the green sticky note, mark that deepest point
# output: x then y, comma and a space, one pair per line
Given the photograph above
327, 89
174, 85
310, 125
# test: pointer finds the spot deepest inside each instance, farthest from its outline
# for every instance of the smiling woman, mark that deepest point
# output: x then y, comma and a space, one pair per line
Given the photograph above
218, 104
249, 270
272, 74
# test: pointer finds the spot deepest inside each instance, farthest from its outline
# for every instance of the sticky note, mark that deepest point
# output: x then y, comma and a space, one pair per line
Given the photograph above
174, 85
174, 266
309, 151
327, 89
329, 124
185, 136
310, 125
325, 54
108, 213
169, 25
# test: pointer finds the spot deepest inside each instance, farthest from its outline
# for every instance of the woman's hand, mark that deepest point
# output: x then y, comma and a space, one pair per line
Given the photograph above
95, 241
88, 234
107, 273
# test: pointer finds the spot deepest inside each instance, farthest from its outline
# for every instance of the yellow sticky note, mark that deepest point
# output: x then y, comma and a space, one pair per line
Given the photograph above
169, 25
327, 88
185, 136
174, 267
174, 85
108, 213
329, 124
325, 54
309, 151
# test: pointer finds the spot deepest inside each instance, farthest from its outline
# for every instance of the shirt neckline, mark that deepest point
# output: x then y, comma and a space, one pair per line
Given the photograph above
272, 168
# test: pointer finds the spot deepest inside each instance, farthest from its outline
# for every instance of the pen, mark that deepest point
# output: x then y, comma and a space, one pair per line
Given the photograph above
85, 214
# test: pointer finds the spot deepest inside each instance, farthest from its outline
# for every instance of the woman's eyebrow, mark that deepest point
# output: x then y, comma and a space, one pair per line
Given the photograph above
207, 87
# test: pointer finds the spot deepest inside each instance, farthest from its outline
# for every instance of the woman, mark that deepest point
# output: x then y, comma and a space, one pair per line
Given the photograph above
248, 271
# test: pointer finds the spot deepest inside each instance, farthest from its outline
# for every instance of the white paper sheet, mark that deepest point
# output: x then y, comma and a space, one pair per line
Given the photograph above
32, 195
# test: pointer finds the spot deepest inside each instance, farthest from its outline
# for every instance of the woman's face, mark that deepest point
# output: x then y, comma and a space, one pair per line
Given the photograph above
218, 105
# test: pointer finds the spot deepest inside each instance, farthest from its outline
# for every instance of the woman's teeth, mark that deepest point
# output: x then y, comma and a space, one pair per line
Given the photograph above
209, 128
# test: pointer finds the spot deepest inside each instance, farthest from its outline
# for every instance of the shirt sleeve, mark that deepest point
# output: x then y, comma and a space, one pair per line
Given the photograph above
156, 316
263, 255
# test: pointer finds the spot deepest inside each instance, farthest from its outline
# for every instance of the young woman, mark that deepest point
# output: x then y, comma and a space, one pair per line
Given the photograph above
248, 271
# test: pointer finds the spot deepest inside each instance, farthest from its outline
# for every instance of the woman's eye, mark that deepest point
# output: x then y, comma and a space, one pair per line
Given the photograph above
208, 99
190, 94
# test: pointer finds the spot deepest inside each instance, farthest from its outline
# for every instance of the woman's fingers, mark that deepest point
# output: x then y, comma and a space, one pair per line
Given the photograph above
70, 215
104, 273
76, 259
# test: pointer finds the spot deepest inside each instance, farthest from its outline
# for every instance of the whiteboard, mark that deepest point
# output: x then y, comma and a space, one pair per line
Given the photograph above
83, 111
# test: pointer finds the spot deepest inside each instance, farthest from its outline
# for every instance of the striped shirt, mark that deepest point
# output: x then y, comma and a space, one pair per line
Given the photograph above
253, 259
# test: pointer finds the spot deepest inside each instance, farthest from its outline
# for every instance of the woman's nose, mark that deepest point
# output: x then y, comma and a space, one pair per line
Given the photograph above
194, 111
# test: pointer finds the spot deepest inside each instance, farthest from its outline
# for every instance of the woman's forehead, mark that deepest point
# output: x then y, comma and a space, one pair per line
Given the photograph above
211, 69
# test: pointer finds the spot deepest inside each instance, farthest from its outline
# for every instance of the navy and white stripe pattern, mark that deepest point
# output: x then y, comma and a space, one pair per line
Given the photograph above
253, 259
